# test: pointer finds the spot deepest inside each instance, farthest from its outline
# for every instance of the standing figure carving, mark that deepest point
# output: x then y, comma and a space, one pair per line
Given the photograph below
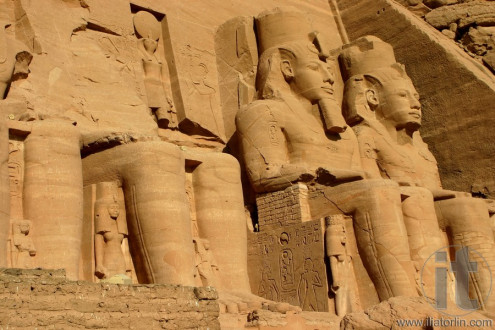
206, 265
306, 289
340, 265
149, 31
109, 257
383, 106
284, 141
23, 246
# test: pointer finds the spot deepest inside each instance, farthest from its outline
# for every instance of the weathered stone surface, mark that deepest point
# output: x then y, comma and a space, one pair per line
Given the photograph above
44, 298
481, 12
390, 315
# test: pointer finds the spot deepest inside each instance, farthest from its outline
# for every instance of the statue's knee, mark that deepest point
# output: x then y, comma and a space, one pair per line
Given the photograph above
219, 167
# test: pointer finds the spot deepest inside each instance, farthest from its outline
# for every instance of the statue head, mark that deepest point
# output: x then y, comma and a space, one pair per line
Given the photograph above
21, 227
290, 61
308, 264
150, 45
296, 68
377, 87
113, 209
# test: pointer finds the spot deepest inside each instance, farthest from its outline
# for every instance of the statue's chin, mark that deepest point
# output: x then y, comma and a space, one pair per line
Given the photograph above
412, 126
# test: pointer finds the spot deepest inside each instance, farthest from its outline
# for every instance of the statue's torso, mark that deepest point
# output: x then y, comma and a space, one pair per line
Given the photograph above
409, 164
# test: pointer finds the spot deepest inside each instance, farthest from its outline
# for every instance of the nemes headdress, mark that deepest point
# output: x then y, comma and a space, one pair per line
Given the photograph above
367, 60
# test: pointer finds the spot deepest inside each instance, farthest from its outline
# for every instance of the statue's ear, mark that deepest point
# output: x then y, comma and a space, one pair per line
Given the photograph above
286, 68
372, 98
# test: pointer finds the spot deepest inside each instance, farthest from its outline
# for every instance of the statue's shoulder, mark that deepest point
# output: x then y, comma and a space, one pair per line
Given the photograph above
366, 129
259, 110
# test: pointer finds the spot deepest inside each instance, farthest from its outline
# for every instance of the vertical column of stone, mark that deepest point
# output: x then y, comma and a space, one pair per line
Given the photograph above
4, 192
53, 194
222, 219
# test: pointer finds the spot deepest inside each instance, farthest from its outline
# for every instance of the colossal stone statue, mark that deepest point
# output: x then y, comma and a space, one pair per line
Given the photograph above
383, 106
152, 175
284, 141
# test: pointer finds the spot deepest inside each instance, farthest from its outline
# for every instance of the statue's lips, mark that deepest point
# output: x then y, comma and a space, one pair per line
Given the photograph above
415, 114
327, 89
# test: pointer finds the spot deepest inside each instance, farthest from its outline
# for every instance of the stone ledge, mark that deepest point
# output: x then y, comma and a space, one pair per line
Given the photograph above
45, 298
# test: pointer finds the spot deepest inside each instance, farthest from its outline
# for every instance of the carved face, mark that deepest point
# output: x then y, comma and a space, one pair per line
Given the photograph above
24, 228
399, 104
113, 210
311, 78
150, 45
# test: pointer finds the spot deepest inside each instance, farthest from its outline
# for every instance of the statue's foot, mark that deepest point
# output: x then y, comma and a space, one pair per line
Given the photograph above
239, 302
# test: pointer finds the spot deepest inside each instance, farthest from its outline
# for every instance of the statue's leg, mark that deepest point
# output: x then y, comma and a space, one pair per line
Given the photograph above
53, 194
222, 219
423, 231
4, 192
380, 233
469, 222
153, 179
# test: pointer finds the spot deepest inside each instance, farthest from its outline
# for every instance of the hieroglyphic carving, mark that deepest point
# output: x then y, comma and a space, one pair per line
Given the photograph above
16, 174
149, 30
201, 90
237, 59
287, 264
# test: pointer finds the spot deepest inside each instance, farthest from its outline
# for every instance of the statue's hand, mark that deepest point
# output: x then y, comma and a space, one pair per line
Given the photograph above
293, 173
327, 176
285, 176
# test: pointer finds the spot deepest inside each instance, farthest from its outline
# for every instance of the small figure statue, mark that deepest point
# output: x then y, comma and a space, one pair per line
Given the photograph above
340, 264
148, 28
109, 257
206, 265
23, 245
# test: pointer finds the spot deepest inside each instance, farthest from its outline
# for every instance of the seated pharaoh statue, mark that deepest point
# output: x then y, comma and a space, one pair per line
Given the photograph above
382, 106
295, 133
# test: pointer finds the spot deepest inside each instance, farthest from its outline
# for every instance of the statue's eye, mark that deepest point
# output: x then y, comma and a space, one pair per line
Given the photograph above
313, 66
402, 94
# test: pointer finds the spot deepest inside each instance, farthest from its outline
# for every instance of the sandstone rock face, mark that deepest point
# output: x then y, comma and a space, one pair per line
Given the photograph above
278, 151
